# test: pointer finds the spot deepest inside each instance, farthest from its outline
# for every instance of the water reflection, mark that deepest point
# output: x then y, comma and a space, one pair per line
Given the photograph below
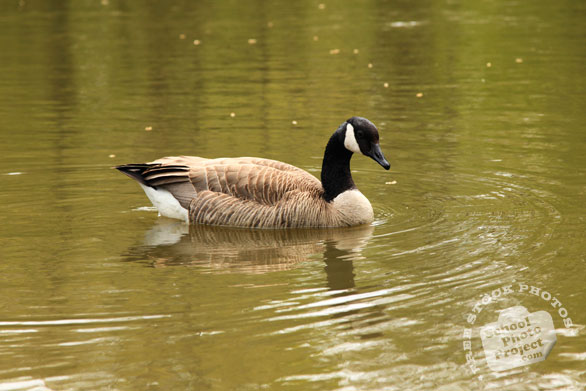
223, 249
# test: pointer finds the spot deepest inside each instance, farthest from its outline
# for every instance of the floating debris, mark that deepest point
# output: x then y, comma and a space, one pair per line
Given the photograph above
232, 114
370, 65
391, 183
111, 155
518, 60
148, 128
409, 24
182, 36
335, 51
322, 6
355, 51
419, 94
270, 25
488, 64
13, 173
293, 122
105, 2
315, 38
196, 42
251, 41
386, 85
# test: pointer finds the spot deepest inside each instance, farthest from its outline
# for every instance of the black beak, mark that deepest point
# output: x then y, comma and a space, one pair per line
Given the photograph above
378, 156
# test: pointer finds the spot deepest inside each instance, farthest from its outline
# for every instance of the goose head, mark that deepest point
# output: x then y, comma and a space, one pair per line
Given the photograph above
361, 136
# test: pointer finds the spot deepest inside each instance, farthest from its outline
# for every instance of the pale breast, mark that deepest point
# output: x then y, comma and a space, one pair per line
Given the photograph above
354, 207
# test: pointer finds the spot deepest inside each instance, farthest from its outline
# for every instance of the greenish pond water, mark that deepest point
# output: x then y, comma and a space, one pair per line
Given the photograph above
481, 111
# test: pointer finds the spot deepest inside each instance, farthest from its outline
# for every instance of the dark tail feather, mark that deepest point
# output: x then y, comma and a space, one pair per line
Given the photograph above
155, 174
136, 171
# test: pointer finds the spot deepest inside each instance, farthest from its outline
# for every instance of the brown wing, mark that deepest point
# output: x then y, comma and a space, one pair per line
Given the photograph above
259, 180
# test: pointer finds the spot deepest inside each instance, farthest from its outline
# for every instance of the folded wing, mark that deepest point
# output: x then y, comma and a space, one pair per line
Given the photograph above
248, 192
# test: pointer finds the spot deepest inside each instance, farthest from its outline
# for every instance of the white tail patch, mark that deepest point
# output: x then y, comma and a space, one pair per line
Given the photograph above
350, 140
166, 204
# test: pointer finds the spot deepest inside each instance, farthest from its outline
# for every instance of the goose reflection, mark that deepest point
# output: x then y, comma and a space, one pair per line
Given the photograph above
224, 250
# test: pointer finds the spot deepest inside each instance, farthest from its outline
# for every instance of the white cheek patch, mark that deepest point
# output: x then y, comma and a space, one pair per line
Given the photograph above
350, 140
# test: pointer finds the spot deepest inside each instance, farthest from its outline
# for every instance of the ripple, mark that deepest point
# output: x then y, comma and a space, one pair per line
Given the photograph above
25, 384
483, 216
345, 308
60, 322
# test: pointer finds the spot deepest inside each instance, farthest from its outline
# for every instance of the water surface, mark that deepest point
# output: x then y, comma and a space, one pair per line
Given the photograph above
481, 113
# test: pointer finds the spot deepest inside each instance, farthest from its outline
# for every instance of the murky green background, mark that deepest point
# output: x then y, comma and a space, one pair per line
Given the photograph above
481, 110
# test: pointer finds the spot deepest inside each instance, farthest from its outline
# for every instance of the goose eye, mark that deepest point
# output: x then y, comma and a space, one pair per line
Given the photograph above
360, 133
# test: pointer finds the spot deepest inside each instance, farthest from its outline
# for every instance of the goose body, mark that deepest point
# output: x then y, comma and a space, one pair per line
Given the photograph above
263, 193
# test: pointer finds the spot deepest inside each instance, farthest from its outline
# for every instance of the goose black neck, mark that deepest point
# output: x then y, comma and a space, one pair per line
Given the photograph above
335, 171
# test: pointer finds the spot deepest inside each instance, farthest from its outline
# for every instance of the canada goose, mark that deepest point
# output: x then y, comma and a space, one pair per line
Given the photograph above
262, 193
